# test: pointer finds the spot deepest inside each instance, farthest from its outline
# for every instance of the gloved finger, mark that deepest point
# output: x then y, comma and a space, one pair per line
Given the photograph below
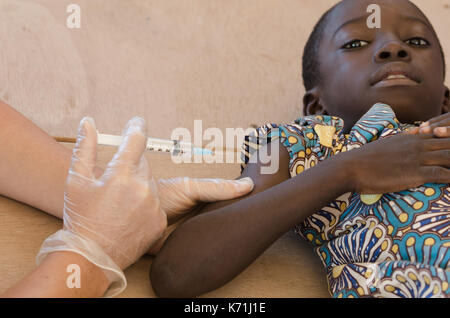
142, 171
211, 190
84, 153
132, 148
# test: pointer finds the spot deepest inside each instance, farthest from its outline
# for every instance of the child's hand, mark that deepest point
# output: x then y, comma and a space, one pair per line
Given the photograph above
399, 162
439, 126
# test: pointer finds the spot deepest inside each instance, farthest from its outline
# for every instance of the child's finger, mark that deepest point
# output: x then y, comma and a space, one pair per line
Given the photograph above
439, 130
84, 154
437, 119
425, 129
442, 131
412, 131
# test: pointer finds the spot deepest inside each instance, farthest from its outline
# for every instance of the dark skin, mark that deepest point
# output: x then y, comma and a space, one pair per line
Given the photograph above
224, 238
352, 70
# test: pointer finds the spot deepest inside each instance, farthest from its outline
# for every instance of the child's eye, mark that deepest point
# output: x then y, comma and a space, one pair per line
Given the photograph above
355, 44
417, 42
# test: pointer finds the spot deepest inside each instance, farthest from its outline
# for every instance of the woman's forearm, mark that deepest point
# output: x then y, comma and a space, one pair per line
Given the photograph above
212, 248
63, 275
33, 166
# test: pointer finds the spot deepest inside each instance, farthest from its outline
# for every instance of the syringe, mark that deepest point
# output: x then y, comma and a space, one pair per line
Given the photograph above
174, 147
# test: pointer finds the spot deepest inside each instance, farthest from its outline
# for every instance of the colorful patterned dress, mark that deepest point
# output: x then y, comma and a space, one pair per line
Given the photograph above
386, 245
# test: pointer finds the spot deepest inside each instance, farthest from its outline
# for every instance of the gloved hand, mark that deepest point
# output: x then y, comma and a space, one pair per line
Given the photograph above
113, 220
178, 196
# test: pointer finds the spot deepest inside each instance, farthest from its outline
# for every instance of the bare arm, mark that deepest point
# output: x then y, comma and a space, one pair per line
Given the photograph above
50, 279
33, 165
212, 248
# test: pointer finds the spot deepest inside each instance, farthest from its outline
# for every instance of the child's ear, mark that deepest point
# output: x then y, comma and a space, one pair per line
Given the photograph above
312, 104
446, 103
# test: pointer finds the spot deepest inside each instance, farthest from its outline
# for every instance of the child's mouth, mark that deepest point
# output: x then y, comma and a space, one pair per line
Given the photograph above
396, 80
391, 77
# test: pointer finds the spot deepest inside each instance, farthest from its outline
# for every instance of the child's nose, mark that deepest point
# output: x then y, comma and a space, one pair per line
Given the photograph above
392, 51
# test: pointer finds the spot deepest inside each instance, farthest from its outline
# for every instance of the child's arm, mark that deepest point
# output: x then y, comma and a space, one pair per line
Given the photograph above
33, 166
210, 249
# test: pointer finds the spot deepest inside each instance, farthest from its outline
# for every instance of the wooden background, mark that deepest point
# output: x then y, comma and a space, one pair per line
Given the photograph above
230, 63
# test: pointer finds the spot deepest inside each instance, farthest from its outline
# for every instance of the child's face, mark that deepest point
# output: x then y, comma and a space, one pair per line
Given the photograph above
351, 78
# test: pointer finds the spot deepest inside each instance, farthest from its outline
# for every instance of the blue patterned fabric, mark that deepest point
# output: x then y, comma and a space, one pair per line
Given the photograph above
386, 245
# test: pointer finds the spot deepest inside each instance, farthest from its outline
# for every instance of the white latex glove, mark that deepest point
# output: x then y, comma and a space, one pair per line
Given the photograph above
112, 220
178, 196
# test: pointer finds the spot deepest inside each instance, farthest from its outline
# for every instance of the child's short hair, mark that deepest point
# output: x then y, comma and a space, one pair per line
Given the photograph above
311, 63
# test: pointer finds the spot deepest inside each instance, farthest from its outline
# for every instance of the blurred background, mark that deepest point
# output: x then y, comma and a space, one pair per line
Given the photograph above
230, 63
